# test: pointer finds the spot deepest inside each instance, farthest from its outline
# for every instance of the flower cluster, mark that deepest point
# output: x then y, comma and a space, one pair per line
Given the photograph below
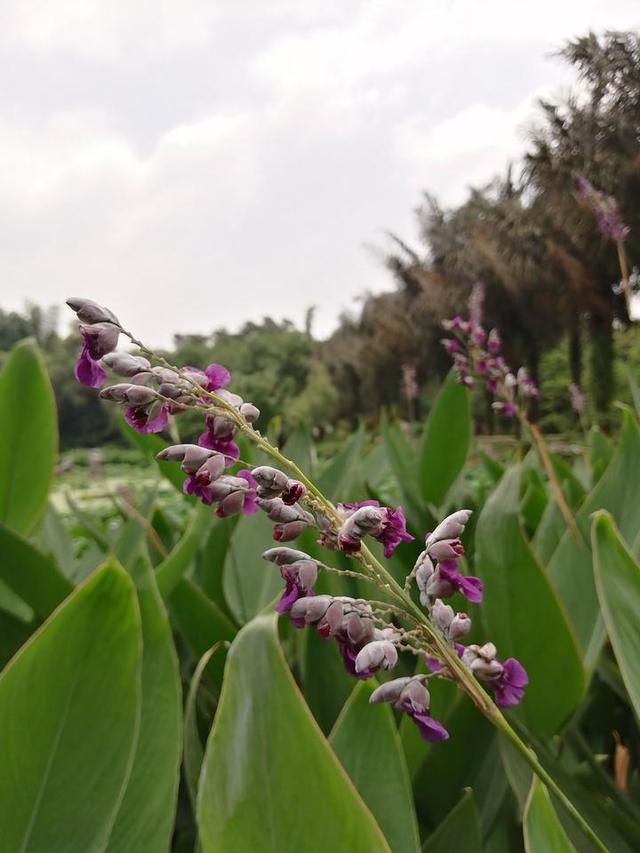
153, 393
477, 354
605, 209
367, 642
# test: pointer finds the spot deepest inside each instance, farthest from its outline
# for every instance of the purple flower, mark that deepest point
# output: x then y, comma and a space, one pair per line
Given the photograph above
192, 486
410, 695
145, 420
249, 505
98, 339
218, 377
87, 371
469, 586
430, 730
226, 446
292, 592
349, 653
508, 689
434, 665
394, 531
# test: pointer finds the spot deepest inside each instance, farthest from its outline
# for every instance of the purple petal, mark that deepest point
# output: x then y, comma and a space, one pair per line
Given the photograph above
192, 487
291, 594
349, 654
138, 419
87, 371
509, 689
218, 377
430, 730
471, 588
226, 446
394, 531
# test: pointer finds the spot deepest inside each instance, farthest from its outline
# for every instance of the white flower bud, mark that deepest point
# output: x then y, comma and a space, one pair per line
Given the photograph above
379, 654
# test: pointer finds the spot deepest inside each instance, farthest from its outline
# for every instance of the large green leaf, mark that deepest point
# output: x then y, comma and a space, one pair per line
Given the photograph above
518, 601
69, 711
31, 575
460, 830
570, 566
617, 576
250, 583
145, 817
401, 456
366, 741
543, 832
270, 781
29, 444
446, 440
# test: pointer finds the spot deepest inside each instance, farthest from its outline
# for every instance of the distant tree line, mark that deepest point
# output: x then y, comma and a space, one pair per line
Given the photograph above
549, 279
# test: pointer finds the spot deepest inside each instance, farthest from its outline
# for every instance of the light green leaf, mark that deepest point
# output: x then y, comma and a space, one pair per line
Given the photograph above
299, 448
446, 441
617, 577
270, 781
69, 711
570, 566
29, 445
518, 600
366, 741
150, 446
460, 830
401, 456
31, 575
543, 832
144, 823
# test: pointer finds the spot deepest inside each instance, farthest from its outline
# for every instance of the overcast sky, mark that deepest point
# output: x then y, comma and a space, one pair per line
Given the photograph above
199, 163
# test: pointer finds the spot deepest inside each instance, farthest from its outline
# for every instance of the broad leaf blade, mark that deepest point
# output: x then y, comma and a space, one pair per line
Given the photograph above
617, 576
543, 832
144, 823
570, 566
446, 441
269, 781
31, 575
366, 741
69, 706
460, 830
29, 444
518, 599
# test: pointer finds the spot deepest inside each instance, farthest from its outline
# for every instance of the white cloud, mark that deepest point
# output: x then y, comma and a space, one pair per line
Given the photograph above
296, 133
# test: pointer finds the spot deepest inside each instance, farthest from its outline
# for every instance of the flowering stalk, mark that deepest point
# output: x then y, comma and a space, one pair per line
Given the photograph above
476, 356
367, 639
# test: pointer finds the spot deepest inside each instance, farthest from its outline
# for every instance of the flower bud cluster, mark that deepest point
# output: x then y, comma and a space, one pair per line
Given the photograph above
506, 680
476, 354
605, 209
153, 393
367, 518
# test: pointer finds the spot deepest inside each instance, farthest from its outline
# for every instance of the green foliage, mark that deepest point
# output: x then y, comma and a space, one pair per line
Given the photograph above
289, 769
69, 709
543, 832
29, 440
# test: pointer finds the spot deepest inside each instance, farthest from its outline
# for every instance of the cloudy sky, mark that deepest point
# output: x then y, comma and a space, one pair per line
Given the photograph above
198, 163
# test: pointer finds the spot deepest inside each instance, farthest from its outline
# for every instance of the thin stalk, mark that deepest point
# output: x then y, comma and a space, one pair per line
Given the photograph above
543, 455
624, 270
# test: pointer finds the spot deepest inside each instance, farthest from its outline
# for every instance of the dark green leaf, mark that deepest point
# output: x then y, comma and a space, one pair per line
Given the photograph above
459, 831
446, 441
518, 599
29, 445
336, 478
270, 781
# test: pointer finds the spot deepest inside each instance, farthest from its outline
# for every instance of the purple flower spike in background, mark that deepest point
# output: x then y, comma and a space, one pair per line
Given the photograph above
508, 690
